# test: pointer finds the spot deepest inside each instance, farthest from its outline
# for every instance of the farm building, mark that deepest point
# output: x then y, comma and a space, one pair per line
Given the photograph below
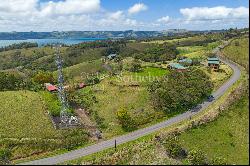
50, 87
186, 62
213, 63
177, 66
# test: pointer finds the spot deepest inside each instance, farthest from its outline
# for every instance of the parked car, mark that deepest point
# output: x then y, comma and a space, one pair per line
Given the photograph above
210, 98
196, 108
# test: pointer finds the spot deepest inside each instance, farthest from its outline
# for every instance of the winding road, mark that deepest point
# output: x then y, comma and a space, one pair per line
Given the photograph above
142, 132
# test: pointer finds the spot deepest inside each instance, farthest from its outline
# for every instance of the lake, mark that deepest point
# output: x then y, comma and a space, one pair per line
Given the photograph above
42, 42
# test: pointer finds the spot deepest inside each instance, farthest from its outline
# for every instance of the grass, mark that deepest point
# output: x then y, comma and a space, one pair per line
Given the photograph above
119, 92
226, 137
22, 115
218, 78
26, 129
143, 151
81, 70
238, 51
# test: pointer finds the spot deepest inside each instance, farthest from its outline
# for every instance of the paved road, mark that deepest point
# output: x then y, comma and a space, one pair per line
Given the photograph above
139, 133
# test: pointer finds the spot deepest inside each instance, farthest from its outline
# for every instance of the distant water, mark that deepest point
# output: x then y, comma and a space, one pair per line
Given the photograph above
42, 42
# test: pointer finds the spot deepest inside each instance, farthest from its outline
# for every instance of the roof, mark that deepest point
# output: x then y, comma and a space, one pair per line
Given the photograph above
186, 60
214, 62
51, 88
177, 66
212, 59
112, 55
82, 85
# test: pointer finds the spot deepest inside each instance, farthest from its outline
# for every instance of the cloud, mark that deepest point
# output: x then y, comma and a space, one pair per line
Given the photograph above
70, 7
165, 19
215, 13
139, 7
18, 5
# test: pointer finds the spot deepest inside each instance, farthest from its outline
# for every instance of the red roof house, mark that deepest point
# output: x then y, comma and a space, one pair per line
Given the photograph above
50, 87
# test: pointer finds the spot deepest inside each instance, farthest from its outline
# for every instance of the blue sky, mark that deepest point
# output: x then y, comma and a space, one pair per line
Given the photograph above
42, 15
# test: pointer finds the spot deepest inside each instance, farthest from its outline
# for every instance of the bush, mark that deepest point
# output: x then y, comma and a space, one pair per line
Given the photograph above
173, 147
43, 77
82, 98
125, 120
135, 66
5, 155
197, 157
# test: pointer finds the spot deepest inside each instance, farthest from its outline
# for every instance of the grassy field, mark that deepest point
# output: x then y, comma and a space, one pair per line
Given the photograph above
238, 51
227, 137
22, 115
125, 91
81, 70
26, 129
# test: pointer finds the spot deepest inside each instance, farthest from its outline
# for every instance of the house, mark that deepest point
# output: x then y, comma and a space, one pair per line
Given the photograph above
50, 87
213, 63
177, 67
112, 56
186, 61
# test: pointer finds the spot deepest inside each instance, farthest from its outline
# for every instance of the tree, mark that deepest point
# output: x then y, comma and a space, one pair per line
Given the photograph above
43, 77
125, 120
197, 157
135, 66
180, 91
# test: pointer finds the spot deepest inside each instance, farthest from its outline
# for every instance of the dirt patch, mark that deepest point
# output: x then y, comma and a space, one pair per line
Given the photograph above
88, 124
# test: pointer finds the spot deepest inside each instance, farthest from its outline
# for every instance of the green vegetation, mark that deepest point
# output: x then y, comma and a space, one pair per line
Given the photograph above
19, 46
238, 51
226, 137
26, 128
194, 86
122, 95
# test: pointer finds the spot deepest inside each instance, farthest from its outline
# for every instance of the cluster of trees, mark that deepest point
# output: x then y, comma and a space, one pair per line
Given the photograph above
158, 53
180, 91
33, 82
10, 82
19, 46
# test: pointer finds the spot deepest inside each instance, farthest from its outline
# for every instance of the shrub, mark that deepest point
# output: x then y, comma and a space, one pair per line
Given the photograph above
135, 66
5, 155
125, 120
173, 147
196, 157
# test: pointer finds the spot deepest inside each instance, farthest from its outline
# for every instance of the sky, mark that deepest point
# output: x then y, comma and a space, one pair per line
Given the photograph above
102, 15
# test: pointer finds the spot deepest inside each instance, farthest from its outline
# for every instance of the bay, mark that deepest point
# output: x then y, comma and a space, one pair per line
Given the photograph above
42, 42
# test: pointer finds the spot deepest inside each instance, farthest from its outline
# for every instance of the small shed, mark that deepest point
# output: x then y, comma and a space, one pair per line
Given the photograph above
213, 63
177, 66
112, 56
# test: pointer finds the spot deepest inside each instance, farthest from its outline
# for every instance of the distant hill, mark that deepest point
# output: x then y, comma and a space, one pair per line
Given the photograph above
87, 34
